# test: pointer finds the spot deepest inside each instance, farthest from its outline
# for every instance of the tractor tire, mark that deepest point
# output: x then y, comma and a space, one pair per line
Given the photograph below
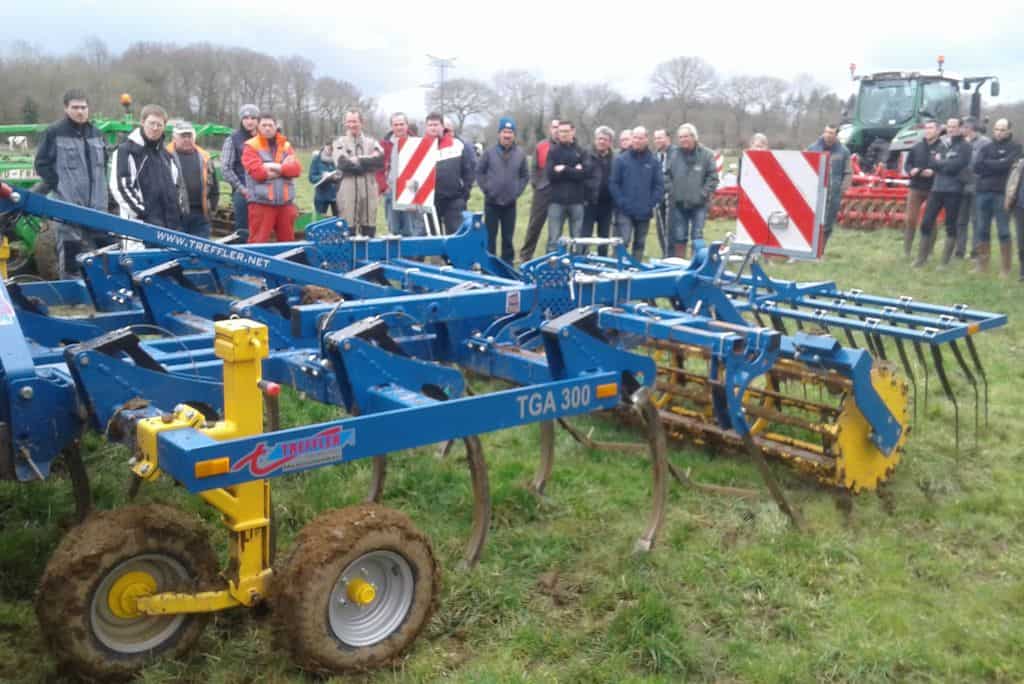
85, 600
358, 587
45, 252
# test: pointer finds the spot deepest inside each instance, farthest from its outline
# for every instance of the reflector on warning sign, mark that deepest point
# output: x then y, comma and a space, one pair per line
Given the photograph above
782, 202
416, 173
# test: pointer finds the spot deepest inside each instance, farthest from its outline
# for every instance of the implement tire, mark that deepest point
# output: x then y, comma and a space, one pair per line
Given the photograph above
358, 587
85, 603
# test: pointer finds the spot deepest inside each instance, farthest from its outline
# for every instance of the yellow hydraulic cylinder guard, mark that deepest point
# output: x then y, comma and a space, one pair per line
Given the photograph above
242, 345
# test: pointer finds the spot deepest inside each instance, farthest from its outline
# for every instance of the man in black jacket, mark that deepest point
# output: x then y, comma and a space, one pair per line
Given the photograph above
992, 168
919, 167
502, 174
599, 206
568, 167
144, 178
72, 161
949, 159
456, 170
231, 164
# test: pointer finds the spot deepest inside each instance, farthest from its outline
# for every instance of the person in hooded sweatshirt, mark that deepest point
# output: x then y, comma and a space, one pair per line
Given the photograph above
145, 180
231, 164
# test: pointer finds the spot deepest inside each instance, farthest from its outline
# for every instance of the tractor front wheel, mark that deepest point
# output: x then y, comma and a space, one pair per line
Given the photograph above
87, 599
357, 589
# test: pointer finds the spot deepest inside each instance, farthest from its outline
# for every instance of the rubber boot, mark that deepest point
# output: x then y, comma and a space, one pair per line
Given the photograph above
925, 249
948, 248
697, 246
908, 242
1006, 256
679, 250
981, 254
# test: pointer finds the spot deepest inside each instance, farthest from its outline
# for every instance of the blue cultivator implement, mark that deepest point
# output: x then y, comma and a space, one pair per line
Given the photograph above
374, 327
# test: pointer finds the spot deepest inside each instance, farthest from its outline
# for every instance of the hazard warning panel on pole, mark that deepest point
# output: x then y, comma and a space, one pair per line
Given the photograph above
416, 172
782, 200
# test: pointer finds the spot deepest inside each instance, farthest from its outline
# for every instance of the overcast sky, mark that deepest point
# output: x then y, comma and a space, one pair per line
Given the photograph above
383, 48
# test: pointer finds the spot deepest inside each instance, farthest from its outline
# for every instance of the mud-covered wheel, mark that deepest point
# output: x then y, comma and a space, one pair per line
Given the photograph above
86, 603
44, 251
358, 587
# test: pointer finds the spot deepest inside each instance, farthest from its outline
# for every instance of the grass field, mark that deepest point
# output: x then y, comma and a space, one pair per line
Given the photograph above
923, 585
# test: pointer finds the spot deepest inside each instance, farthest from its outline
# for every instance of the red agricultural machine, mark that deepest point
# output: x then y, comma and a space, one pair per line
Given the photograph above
886, 120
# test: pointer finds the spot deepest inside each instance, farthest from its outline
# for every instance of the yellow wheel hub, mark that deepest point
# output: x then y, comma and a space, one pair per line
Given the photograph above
859, 463
127, 590
361, 592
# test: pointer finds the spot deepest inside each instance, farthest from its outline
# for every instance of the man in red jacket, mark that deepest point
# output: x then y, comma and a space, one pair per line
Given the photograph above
271, 167
541, 194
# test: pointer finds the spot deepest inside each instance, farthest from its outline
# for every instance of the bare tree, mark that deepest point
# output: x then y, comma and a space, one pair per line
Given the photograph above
741, 93
463, 98
684, 80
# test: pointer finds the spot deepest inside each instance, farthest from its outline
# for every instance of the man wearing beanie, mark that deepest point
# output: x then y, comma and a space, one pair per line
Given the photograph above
502, 174
231, 164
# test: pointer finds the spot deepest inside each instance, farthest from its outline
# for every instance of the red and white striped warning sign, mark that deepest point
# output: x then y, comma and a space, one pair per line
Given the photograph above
719, 164
782, 202
416, 173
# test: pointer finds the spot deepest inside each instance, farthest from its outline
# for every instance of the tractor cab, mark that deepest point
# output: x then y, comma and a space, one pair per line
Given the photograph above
890, 109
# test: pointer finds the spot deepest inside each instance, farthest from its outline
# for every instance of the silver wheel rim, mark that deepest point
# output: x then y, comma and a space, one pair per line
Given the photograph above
358, 625
145, 632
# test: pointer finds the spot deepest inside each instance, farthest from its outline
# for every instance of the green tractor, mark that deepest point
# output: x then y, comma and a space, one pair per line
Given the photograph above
891, 107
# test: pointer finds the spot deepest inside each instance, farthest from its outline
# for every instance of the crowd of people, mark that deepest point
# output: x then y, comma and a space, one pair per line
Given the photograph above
973, 179
615, 188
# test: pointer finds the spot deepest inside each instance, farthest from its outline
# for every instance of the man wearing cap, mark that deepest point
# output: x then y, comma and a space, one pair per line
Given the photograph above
231, 164
502, 174
199, 187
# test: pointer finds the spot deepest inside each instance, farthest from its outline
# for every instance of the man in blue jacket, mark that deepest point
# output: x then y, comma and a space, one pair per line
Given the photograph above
502, 174
949, 159
637, 186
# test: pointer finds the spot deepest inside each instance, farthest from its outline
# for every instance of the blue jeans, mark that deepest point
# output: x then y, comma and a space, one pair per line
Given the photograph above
241, 207
987, 205
634, 231
687, 224
557, 214
196, 225
406, 223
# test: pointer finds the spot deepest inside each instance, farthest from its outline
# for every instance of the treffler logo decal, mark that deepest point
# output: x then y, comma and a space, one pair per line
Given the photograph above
326, 446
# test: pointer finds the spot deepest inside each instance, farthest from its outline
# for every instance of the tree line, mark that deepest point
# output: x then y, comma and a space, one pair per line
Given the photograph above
208, 83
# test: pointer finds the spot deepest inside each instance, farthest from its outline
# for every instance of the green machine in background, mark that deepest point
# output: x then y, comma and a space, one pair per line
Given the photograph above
891, 107
18, 170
